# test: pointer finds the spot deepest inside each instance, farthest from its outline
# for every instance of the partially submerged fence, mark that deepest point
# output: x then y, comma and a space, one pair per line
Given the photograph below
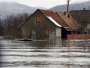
79, 36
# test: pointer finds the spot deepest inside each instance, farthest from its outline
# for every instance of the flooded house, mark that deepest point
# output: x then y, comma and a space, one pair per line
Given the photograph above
45, 24
83, 19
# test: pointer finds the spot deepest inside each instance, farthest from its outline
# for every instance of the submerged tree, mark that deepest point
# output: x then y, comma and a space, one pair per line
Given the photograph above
1, 29
12, 23
83, 25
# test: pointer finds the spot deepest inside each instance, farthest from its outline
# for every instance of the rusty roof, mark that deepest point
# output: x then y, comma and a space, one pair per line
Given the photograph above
69, 20
57, 19
68, 23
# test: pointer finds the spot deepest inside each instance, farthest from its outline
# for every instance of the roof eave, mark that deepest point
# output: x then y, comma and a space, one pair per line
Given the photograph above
65, 21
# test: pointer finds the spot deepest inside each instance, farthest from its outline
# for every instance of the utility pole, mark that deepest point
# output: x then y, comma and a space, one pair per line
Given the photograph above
68, 5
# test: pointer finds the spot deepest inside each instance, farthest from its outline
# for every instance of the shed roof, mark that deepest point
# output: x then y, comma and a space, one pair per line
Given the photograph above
69, 20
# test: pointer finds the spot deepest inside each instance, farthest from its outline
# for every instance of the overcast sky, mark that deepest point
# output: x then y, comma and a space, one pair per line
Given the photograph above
43, 3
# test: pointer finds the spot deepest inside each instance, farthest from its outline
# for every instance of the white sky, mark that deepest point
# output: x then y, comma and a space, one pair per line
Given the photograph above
43, 3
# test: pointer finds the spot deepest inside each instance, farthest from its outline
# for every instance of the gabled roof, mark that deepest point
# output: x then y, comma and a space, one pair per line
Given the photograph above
48, 14
69, 20
59, 20
51, 19
56, 18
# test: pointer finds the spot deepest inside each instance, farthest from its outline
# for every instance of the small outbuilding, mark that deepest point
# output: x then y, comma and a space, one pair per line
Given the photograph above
44, 24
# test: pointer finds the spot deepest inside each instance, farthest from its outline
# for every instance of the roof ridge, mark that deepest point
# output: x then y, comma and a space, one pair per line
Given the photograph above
65, 20
46, 12
69, 20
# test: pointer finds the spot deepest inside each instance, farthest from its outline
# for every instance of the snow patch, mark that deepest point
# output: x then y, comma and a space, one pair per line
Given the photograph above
51, 19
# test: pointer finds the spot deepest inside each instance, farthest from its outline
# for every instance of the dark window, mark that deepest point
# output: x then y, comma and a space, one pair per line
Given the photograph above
29, 33
68, 16
85, 32
38, 19
47, 33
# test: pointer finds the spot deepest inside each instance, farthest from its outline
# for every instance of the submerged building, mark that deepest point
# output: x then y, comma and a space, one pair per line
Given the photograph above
44, 24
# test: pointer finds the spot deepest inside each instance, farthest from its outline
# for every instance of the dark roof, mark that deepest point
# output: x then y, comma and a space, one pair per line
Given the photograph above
80, 11
81, 15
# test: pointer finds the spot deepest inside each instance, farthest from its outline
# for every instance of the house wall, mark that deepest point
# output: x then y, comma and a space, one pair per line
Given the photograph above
24, 33
39, 28
58, 32
82, 16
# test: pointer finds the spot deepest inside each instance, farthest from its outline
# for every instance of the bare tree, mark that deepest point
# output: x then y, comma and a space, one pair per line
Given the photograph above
83, 25
89, 7
12, 23
1, 28
68, 1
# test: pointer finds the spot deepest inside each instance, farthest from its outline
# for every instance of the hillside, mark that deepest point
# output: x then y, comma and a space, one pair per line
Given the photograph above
15, 7
74, 6
7, 8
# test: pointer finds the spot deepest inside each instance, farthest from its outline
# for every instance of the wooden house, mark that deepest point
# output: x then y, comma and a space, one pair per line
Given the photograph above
44, 24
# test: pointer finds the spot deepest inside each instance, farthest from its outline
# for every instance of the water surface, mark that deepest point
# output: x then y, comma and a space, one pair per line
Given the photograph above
45, 54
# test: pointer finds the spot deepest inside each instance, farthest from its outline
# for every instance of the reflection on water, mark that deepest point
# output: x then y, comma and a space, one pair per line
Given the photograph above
45, 54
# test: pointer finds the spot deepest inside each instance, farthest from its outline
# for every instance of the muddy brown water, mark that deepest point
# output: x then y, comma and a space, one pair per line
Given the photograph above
45, 54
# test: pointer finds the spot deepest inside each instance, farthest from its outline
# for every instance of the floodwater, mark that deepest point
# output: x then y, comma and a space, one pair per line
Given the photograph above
45, 54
